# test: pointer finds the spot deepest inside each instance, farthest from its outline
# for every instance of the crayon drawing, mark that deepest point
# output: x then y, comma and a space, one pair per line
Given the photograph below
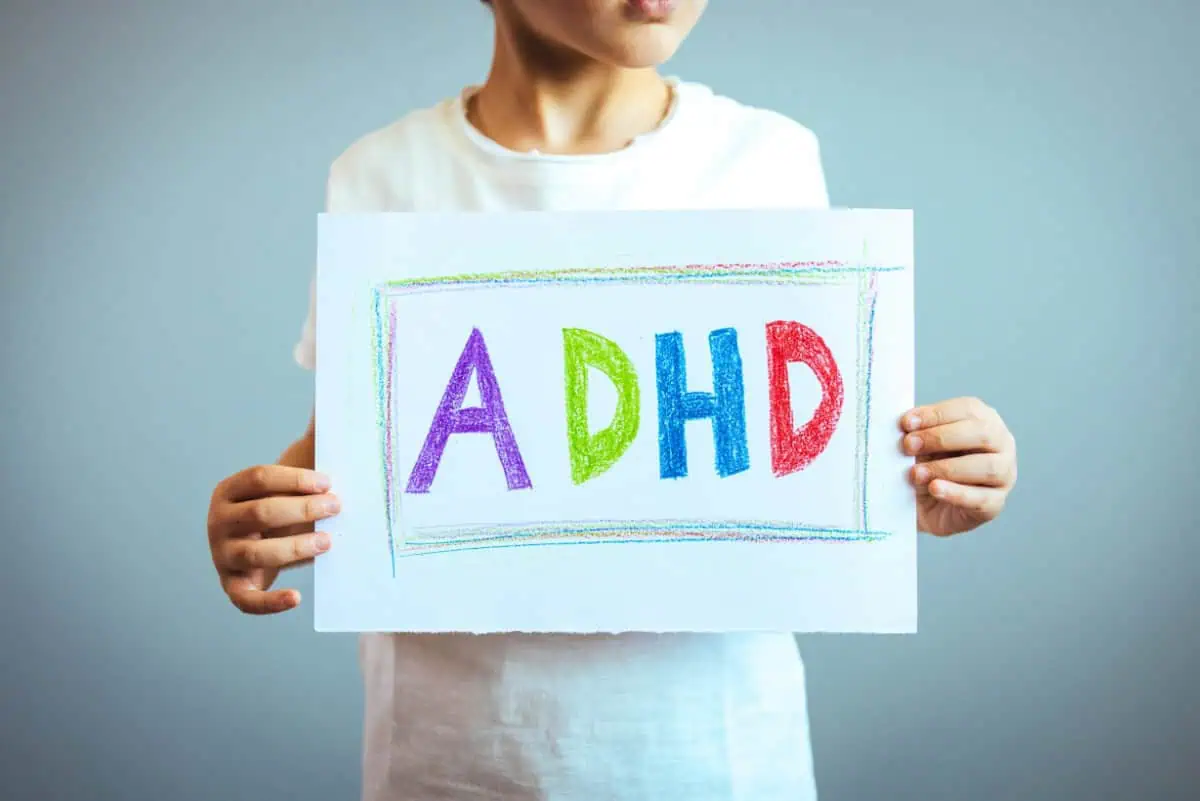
791, 448
704, 426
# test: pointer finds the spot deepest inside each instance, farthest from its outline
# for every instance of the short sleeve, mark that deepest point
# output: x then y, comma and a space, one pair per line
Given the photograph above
305, 350
346, 190
788, 163
821, 187
808, 167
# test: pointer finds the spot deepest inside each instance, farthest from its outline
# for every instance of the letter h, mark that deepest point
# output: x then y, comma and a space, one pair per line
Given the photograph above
726, 405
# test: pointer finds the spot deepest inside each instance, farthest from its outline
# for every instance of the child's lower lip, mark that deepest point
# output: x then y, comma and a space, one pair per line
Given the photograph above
652, 9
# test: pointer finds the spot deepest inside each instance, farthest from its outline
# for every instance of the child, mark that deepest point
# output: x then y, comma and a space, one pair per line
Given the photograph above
574, 115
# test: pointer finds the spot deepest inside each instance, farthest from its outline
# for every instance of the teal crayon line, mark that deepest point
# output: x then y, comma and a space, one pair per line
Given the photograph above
566, 532
427, 534
663, 531
383, 399
492, 546
409, 554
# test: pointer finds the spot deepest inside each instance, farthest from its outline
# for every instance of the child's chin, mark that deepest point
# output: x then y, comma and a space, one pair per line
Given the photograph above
649, 47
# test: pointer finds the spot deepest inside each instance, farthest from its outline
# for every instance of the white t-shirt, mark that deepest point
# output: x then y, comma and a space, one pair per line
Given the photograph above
631, 717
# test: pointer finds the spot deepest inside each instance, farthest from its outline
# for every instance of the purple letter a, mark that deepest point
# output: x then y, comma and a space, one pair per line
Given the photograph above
486, 419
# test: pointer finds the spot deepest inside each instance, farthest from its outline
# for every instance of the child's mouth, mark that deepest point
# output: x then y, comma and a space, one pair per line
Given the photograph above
652, 9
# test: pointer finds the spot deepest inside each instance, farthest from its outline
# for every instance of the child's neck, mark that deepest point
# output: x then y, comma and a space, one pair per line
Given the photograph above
539, 98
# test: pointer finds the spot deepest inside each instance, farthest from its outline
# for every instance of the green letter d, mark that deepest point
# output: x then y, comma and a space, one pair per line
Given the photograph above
592, 454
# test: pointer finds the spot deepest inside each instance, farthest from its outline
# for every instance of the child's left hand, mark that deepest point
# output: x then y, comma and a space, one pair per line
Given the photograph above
966, 464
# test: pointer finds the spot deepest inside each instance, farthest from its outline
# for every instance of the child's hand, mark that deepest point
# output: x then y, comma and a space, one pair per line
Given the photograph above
259, 521
966, 464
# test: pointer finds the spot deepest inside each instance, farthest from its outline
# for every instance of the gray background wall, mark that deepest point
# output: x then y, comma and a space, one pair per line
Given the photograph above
160, 169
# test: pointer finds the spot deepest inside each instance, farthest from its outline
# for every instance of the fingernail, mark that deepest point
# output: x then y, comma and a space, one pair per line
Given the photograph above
939, 489
320, 542
913, 422
329, 506
913, 443
321, 482
921, 473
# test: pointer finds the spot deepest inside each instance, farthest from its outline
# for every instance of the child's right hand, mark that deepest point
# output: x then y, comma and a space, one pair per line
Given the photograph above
260, 520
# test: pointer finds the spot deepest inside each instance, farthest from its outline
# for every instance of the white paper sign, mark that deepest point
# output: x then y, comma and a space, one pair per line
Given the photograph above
582, 422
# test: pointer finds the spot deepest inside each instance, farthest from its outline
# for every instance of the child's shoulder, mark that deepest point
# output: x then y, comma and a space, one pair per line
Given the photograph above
746, 124
774, 157
385, 158
416, 128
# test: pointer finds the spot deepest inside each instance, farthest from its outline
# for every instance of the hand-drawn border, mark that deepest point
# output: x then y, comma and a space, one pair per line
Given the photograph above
385, 296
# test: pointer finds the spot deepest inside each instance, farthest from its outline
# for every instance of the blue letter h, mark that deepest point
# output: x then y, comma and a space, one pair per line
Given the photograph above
726, 405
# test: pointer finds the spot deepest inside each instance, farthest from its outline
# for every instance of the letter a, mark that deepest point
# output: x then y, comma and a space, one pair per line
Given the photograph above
592, 454
489, 418
792, 449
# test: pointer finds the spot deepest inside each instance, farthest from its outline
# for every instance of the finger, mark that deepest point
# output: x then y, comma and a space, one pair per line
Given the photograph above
240, 555
273, 479
249, 598
949, 411
276, 512
983, 502
964, 435
977, 469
